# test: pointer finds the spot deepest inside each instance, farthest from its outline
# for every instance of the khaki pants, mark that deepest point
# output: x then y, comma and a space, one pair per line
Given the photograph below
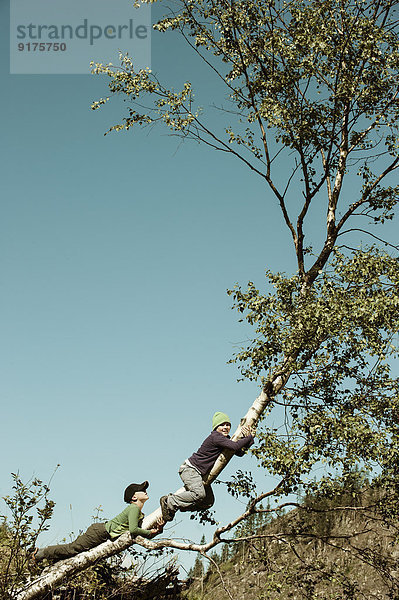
196, 496
95, 534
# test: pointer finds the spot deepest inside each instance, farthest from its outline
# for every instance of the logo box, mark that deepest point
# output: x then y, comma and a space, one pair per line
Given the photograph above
64, 36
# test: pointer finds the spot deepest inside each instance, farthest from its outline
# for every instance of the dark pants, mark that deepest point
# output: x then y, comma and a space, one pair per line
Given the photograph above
95, 534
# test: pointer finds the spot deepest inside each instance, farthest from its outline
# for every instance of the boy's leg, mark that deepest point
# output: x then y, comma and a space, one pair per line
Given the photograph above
195, 490
93, 536
208, 501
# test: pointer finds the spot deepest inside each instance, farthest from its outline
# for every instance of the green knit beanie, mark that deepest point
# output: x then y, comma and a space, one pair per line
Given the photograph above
219, 418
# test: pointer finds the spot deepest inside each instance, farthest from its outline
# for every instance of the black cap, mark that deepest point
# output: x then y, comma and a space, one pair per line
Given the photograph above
133, 488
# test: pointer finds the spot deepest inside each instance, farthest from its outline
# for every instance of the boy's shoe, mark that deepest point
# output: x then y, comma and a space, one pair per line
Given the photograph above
167, 514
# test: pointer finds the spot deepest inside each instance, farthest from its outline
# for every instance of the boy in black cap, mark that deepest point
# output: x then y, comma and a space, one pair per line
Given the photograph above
129, 519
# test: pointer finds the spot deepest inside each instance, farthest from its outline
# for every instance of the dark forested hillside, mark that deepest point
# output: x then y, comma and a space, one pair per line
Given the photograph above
331, 553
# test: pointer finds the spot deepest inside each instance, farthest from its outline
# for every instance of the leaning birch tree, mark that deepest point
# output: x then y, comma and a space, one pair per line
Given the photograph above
313, 86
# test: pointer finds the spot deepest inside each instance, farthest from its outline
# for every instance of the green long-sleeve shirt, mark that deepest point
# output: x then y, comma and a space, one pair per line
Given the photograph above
128, 520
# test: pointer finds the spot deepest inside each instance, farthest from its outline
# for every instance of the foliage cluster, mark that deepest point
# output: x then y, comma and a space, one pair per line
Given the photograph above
341, 405
30, 510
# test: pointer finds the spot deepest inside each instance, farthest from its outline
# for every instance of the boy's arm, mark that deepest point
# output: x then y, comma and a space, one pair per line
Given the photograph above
249, 432
134, 528
245, 442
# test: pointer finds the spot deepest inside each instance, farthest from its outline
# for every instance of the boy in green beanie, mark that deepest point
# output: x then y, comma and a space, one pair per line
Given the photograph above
194, 470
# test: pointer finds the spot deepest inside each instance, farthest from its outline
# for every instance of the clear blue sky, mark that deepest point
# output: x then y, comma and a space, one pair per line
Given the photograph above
115, 256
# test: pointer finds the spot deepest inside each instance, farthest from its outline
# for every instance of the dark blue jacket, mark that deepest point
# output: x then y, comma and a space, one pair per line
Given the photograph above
213, 445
